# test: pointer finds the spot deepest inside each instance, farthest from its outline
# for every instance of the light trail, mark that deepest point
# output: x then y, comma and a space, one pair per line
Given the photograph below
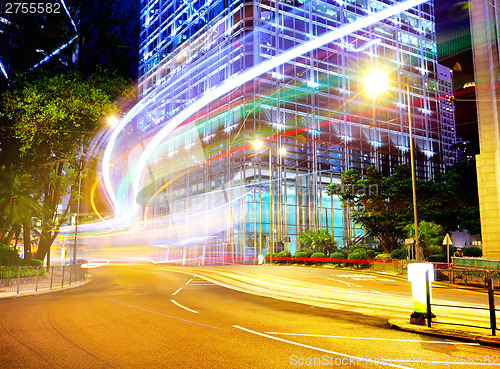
227, 86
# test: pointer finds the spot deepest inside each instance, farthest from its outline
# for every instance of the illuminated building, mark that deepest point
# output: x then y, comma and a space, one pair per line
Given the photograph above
313, 106
484, 23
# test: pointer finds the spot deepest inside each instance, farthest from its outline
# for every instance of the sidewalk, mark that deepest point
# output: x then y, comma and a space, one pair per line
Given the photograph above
319, 295
29, 289
459, 333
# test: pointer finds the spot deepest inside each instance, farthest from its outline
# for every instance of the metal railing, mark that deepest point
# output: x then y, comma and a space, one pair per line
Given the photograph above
34, 279
491, 305
466, 274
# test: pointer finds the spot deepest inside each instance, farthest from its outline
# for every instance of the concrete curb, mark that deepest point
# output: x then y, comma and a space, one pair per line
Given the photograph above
13, 295
454, 334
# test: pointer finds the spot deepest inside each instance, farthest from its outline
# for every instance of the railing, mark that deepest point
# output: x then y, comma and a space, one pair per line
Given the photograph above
491, 302
30, 278
465, 274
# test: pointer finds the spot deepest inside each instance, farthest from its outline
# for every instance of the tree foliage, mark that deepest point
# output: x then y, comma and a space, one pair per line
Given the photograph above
317, 241
384, 205
50, 122
430, 237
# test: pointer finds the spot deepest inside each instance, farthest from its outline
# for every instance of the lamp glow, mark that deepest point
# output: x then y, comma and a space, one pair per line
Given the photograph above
376, 82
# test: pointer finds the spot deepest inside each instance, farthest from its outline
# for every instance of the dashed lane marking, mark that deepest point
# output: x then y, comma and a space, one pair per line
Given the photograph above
183, 307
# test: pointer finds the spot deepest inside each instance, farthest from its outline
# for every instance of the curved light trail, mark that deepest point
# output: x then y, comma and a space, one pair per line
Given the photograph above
209, 96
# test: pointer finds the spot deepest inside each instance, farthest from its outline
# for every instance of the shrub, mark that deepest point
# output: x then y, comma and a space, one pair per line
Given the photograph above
399, 254
9, 256
358, 255
437, 258
337, 255
283, 254
370, 254
268, 255
317, 255
356, 248
474, 252
354, 256
36, 262
300, 254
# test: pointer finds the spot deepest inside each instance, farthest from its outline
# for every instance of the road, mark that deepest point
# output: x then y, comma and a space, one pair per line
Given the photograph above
140, 317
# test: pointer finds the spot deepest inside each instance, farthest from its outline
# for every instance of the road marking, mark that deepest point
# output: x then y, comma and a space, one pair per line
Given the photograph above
364, 277
348, 284
185, 308
288, 282
189, 281
176, 292
351, 357
373, 338
167, 316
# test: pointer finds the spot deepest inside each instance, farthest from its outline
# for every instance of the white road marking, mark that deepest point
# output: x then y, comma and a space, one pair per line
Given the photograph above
363, 277
176, 292
348, 284
374, 338
351, 357
288, 282
185, 308
189, 281
165, 315
202, 284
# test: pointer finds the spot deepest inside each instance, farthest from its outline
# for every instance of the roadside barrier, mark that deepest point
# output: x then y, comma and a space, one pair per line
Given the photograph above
31, 278
491, 307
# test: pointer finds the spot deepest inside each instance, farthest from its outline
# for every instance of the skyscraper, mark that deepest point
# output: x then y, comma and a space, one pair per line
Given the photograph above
310, 114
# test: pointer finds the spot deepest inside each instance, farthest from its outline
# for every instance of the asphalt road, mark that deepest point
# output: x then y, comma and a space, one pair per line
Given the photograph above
139, 317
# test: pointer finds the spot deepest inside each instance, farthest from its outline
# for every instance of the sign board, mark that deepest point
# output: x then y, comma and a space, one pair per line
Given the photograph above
409, 241
447, 240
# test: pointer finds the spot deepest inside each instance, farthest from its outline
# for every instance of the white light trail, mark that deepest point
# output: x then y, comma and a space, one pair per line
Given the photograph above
230, 84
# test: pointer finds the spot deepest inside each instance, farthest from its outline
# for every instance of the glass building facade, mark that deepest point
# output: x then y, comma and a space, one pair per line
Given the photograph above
213, 192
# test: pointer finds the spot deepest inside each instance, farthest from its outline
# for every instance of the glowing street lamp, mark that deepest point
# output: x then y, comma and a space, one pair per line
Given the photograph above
112, 121
377, 81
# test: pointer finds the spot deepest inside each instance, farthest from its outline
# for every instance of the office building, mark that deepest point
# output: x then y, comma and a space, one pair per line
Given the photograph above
310, 114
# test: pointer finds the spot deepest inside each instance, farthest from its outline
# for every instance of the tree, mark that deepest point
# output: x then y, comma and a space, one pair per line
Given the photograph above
384, 205
379, 204
51, 120
430, 237
318, 241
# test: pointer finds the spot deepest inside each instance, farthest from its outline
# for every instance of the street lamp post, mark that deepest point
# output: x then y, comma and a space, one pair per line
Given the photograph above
412, 163
375, 82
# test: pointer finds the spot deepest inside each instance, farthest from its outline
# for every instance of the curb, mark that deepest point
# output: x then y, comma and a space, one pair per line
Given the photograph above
445, 333
87, 281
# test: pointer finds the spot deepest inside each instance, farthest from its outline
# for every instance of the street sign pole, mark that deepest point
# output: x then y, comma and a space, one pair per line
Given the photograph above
448, 243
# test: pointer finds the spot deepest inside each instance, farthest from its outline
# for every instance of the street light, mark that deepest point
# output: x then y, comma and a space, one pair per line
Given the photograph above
377, 81
258, 145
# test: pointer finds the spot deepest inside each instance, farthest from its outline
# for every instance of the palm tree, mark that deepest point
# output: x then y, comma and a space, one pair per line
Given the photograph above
317, 241
17, 206
430, 237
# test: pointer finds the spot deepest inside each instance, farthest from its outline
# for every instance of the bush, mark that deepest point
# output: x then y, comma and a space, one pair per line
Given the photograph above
300, 254
317, 255
356, 248
354, 256
268, 255
36, 262
9, 256
474, 252
283, 254
437, 258
400, 254
337, 255
370, 254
